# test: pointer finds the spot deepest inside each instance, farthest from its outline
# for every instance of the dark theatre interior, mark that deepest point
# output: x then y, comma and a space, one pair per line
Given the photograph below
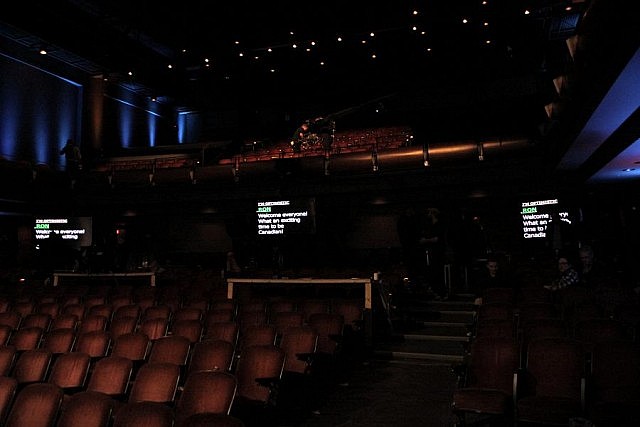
319, 213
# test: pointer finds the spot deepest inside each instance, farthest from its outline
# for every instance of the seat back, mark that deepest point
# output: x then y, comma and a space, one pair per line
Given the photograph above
495, 311
208, 419
352, 312
92, 322
127, 310
148, 414
206, 392
557, 367
597, 330
188, 313
133, 346
299, 344
226, 331
94, 343
11, 318
329, 327
499, 295
191, 329
122, 325
155, 382
8, 388
86, 408
161, 311
286, 319
27, 338
154, 327
35, 405
615, 371
64, 321
59, 341
32, 366
111, 376
8, 356
170, 349
258, 335
40, 320
309, 306
259, 362
211, 355
493, 363
70, 371
5, 334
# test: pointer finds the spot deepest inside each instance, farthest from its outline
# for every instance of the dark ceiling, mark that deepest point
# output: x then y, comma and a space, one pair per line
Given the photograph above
490, 76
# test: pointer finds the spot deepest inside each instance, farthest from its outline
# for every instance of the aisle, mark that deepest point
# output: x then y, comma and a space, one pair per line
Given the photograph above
399, 394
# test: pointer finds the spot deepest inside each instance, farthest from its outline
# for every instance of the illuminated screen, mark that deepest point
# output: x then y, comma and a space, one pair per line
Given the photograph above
285, 216
74, 231
538, 215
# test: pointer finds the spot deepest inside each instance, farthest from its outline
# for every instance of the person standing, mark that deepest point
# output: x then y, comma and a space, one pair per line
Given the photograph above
299, 137
73, 159
409, 228
434, 243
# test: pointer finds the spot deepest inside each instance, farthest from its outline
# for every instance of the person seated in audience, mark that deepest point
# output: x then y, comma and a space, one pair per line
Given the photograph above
491, 277
568, 275
591, 272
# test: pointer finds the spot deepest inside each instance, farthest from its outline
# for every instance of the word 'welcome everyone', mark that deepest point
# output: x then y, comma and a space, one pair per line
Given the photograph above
275, 222
46, 228
538, 215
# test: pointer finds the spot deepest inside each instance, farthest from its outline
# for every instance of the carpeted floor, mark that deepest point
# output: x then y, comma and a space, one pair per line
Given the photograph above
381, 393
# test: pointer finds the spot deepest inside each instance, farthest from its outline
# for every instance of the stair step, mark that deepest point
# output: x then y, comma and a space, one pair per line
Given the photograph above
402, 356
431, 315
434, 346
422, 337
434, 328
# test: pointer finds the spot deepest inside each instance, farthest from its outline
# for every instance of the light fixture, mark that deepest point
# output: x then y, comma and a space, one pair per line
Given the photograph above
480, 151
110, 176
152, 174
192, 174
327, 162
236, 169
374, 159
425, 155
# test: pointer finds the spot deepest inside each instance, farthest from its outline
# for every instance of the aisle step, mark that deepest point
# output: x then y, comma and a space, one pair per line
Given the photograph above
430, 331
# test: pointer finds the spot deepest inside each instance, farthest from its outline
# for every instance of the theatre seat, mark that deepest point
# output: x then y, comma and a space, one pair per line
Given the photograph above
489, 383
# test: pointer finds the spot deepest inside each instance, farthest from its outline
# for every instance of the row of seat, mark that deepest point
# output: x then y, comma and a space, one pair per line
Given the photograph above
205, 400
297, 346
554, 385
537, 359
192, 336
